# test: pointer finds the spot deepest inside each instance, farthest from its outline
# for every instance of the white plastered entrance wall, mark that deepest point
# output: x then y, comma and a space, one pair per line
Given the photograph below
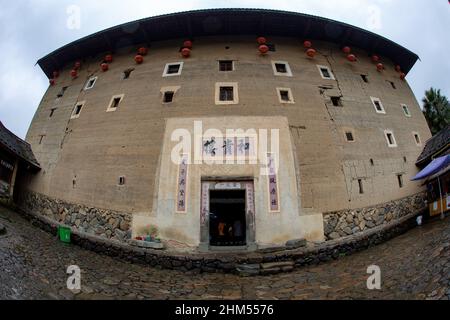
271, 228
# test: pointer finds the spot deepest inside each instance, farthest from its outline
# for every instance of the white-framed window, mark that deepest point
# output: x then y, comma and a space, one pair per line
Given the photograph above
281, 68
285, 95
325, 72
173, 69
115, 102
77, 110
377, 105
417, 139
90, 83
406, 110
390, 138
227, 93
226, 65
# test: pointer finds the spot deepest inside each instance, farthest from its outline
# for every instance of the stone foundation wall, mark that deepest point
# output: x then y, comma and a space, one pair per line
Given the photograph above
100, 222
345, 223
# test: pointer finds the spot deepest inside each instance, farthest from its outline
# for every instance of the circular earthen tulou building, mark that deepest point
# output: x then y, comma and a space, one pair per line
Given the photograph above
122, 102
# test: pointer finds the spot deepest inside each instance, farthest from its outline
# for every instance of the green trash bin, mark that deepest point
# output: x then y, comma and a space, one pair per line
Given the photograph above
64, 234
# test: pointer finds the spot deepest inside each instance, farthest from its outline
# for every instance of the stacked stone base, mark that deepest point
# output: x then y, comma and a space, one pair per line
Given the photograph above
247, 264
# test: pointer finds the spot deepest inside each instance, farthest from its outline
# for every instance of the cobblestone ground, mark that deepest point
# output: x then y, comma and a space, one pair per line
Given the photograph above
33, 266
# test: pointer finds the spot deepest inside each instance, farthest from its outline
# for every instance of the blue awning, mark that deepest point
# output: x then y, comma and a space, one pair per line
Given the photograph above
434, 167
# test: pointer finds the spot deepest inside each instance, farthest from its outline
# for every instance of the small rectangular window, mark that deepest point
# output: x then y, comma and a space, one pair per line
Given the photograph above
225, 65
122, 181
337, 101
365, 78
417, 138
372, 163
127, 73
168, 96
285, 95
361, 187
349, 136
61, 93
406, 110
226, 94
115, 103
77, 110
325, 72
392, 85
400, 180
281, 68
377, 105
90, 83
41, 138
390, 139
173, 69
52, 112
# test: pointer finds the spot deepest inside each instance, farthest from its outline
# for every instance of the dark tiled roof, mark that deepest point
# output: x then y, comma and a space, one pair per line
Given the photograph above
17, 146
223, 22
437, 143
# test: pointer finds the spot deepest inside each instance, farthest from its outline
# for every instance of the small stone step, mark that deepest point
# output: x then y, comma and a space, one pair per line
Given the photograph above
279, 265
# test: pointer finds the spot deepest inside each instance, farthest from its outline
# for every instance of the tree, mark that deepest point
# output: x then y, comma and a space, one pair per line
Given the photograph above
436, 109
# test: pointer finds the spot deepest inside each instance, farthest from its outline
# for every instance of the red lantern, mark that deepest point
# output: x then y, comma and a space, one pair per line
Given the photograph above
74, 73
375, 58
398, 68
380, 67
307, 44
77, 65
186, 52
402, 76
55, 74
139, 59
187, 44
346, 50
142, 51
104, 67
52, 82
109, 58
261, 40
263, 49
311, 52
351, 58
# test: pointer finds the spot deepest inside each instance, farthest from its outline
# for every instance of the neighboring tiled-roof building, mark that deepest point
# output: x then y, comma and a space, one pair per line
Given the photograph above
17, 146
437, 145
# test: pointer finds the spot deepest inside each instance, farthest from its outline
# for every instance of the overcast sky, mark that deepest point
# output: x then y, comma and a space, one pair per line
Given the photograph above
30, 29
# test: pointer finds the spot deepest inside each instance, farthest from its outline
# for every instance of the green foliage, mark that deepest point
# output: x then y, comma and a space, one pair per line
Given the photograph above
436, 109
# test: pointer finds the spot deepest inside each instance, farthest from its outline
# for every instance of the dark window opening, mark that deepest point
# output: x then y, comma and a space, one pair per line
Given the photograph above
337, 101
404, 159
392, 85
115, 103
226, 94
52, 112
361, 187
406, 110
173, 69
400, 180
168, 96
226, 65
349, 136
127, 73
378, 105
281, 67
325, 72
365, 79
41, 139
78, 109
372, 163
227, 226
61, 93
416, 136
284, 94
121, 181
390, 138
90, 83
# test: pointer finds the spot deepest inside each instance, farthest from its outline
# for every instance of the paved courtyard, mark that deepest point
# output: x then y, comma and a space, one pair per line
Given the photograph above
33, 266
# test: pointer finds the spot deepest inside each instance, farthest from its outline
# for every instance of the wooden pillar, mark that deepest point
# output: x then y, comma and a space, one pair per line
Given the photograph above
13, 179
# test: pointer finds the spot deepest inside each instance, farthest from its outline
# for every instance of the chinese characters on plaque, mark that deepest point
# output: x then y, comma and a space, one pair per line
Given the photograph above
274, 195
205, 203
226, 148
182, 184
